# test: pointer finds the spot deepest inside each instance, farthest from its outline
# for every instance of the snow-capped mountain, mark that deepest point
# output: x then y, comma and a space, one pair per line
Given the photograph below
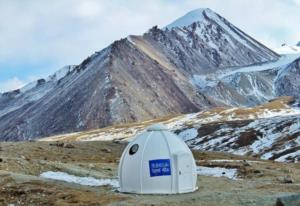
12, 101
218, 40
143, 77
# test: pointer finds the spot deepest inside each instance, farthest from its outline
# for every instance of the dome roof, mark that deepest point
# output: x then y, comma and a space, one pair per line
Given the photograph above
157, 162
157, 127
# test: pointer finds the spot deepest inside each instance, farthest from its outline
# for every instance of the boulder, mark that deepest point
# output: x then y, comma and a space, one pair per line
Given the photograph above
292, 200
286, 180
68, 145
106, 150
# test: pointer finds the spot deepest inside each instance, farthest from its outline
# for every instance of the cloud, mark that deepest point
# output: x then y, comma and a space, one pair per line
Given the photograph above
67, 31
89, 9
296, 2
11, 84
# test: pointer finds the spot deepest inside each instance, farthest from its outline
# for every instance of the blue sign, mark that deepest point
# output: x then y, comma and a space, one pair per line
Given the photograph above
160, 167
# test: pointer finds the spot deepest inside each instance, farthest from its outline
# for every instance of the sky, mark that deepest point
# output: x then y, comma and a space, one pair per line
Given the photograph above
39, 37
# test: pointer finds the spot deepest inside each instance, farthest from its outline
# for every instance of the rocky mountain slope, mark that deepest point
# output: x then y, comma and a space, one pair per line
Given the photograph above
249, 86
218, 40
270, 131
133, 79
287, 82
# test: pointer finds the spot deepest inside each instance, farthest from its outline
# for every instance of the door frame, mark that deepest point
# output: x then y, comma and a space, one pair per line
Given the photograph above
178, 172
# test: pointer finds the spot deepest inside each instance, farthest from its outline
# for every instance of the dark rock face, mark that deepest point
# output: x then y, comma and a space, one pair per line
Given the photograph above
287, 82
134, 79
244, 88
120, 84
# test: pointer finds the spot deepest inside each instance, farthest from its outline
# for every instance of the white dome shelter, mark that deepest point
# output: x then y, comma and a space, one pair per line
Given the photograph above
157, 162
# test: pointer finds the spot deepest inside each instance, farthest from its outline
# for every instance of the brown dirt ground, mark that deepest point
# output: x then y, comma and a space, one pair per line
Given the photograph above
260, 182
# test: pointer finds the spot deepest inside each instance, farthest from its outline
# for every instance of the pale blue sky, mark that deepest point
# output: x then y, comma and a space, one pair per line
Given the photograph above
39, 37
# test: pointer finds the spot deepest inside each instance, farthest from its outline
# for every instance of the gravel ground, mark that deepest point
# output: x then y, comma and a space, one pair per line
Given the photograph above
258, 182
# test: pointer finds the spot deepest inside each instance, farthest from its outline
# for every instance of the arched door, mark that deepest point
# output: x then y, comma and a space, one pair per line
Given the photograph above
184, 171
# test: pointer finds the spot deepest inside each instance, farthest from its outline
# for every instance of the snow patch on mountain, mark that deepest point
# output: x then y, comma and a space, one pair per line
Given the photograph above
283, 61
189, 18
54, 77
28, 87
61, 73
203, 81
129, 38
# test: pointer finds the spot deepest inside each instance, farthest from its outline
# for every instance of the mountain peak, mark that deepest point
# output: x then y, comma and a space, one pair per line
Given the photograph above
298, 44
191, 17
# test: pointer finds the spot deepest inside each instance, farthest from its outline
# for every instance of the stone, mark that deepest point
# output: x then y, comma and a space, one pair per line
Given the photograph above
57, 144
286, 180
291, 200
116, 141
246, 163
92, 166
25, 158
106, 150
68, 145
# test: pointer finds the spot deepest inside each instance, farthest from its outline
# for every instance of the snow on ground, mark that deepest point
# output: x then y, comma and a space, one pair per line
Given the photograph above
217, 172
121, 133
283, 112
284, 158
188, 134
178, 122
264, 134
226, 160
225, 115
61, 73
89, 181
